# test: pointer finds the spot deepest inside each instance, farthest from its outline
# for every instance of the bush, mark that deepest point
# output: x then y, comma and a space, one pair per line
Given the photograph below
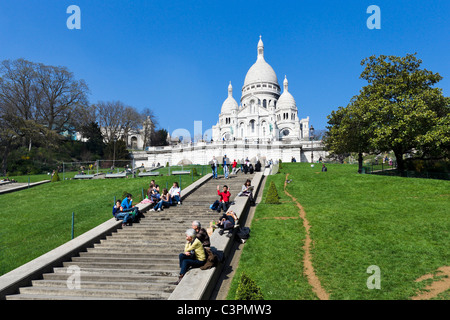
272, 194
194, 172
248, 290
55, 177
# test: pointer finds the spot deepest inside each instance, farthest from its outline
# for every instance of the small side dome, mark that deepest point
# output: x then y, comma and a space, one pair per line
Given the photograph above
286, 100
229, 104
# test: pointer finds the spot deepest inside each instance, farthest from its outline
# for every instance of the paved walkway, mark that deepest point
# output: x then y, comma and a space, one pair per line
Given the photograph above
16, 186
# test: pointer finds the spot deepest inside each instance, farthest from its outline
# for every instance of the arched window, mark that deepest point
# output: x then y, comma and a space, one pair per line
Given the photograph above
265, 103
252, 126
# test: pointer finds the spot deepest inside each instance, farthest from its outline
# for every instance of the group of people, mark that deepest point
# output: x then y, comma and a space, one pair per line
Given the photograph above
126, 211
165, 199
197, 246
245, 166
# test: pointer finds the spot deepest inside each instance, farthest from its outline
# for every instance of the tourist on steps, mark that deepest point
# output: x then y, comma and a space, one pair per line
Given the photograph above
175, 193
193, 255
202, 234
165, 202
119, 214
224, 202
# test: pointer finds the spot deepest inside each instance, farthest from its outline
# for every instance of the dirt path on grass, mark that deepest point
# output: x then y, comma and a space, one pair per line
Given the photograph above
308, 268
437, 286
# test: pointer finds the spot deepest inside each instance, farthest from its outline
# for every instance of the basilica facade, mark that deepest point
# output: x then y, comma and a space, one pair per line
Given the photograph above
265, 113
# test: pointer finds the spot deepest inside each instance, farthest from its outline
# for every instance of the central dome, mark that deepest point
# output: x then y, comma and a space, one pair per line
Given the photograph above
261, 71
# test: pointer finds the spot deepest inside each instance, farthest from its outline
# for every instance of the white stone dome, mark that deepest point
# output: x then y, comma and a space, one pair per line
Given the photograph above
286, 100
229, 104
261, 71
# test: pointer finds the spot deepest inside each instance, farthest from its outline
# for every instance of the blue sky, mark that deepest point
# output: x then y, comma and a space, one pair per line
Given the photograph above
177, 57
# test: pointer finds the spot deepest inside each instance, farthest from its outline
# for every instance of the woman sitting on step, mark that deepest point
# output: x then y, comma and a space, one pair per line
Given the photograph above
193, 255
247, 191
166, 201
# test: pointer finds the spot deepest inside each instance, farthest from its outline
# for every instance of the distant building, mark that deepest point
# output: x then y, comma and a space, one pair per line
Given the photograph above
264, 113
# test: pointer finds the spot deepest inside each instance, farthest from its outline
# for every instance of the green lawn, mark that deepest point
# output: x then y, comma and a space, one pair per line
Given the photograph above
37, 220
399, 224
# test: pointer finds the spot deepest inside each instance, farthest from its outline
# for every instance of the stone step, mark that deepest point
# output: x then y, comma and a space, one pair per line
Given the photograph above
131, 255
137, 250
120, 272
122, 265
103, 277
154, 261
92, 293
117, 241
41, 297
109, 285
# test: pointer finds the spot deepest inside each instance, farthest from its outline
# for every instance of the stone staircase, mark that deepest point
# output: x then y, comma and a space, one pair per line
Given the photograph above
135, 262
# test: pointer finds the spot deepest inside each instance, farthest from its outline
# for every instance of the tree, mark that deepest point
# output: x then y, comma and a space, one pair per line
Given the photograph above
94, 143
159, 138
116, 120
272, 194
347, 132
399, 110
60, 97
37, 103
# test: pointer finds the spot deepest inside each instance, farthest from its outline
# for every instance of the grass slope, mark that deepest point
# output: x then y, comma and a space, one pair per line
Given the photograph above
37, 220
399, 224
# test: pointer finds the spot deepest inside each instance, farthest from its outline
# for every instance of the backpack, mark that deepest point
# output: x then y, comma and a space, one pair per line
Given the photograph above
243, 234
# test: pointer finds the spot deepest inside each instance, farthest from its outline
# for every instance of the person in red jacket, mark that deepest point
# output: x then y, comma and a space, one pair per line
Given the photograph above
233, 165
224, 202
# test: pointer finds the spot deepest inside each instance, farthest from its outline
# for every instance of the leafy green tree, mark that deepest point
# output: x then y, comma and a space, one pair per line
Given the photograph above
399, 110
95, 143
347, 132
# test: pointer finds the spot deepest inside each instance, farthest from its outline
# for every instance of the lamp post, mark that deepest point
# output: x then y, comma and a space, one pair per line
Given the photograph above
311, 135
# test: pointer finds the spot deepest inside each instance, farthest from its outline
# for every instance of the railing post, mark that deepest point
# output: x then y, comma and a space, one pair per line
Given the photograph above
73, 221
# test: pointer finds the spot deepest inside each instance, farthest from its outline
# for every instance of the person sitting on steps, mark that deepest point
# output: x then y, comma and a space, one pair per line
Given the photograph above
193, 255
247, 191
224, 202
227, 222
202, 234
127, 206
119, 214
175, 193
165, 202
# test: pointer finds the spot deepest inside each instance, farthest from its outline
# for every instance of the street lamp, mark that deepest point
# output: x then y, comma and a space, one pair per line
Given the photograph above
311, 135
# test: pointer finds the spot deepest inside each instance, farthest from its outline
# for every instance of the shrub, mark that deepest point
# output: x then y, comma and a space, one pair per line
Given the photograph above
194, 172
248, 289
55, 177
272, 194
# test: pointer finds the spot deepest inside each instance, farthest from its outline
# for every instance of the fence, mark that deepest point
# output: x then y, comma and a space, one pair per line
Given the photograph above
392, 171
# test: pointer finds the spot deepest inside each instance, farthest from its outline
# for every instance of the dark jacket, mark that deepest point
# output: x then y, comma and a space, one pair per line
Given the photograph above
203, 236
